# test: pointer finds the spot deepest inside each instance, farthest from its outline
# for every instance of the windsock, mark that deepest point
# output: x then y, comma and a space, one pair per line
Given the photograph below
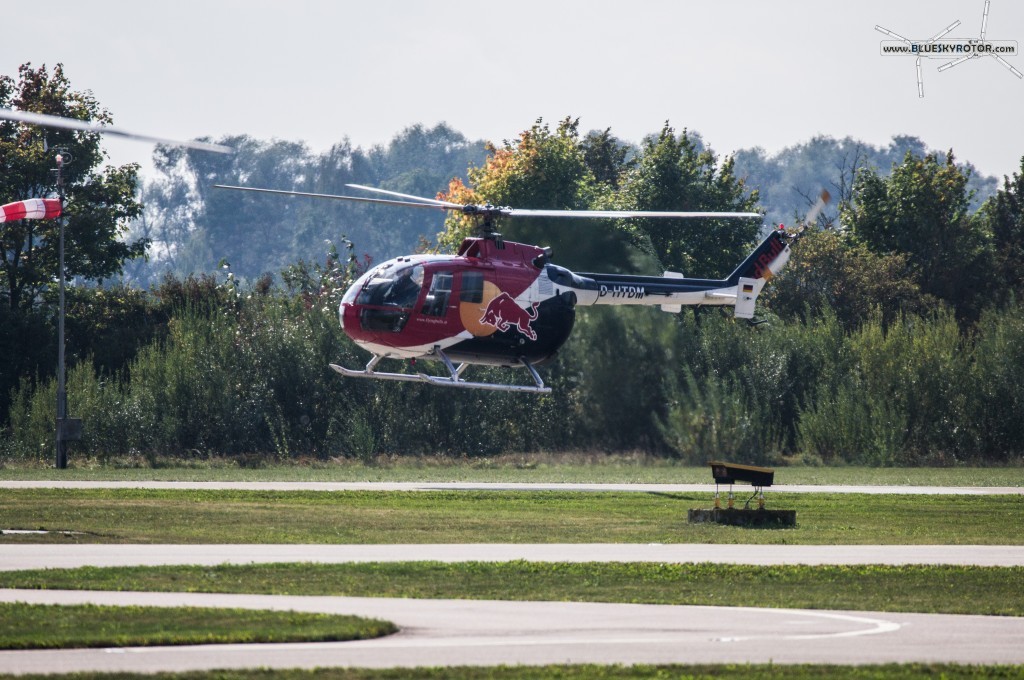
31, 209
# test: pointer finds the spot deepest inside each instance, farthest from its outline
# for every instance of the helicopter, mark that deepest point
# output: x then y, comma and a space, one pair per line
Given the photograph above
502, 303
495, 302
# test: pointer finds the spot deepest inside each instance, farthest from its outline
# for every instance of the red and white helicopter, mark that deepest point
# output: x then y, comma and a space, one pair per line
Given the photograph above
496, 302
502, 303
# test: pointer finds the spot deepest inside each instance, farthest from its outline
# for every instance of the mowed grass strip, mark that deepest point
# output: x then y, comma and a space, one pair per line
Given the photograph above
34, 626
928, 589
593, 672
210, 516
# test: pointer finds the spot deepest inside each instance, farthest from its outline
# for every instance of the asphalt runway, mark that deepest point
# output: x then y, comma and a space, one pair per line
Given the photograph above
469, 632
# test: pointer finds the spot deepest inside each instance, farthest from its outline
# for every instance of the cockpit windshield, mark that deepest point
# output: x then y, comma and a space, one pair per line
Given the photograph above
392, 287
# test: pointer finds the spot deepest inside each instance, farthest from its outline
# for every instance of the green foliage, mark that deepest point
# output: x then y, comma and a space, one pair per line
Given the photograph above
830, 273
1003, 218
36, 626
99, 204
244, 376
222, 381
996, 400
673, 173
921, 209
547, 169
715, 420
607, 157
904, 399
916, 588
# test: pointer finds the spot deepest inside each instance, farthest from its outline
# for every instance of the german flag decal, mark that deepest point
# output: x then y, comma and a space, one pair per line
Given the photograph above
748, 288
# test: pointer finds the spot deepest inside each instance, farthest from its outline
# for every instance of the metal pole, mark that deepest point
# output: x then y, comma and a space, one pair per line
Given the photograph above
62, 396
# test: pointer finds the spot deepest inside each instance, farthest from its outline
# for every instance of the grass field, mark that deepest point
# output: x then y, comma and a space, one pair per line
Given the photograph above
27, 626
175, 516
930, 589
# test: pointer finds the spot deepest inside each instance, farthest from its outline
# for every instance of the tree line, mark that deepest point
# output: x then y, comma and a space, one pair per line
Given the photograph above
894, 336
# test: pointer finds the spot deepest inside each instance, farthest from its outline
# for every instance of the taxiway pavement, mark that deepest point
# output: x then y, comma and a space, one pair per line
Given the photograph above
476, 632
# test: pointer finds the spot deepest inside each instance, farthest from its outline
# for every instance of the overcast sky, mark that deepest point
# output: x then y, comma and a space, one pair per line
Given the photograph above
743, 73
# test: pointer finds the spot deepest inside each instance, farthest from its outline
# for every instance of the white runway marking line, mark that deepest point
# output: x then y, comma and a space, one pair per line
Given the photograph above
506, 486
878, 626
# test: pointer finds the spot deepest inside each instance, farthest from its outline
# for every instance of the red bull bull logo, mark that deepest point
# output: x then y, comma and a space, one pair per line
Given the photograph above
502, 312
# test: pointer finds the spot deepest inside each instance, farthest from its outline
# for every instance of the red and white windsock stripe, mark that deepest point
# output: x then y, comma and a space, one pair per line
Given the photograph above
31, 209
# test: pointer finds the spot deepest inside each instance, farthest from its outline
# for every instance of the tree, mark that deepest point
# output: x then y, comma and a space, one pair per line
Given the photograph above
1003, 216
544, 168
674, 173
788, 178
100, 204
607, 157
922, 209
830, 271
198, 226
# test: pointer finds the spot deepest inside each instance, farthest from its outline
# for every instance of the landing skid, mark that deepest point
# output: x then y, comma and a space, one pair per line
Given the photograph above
454, 378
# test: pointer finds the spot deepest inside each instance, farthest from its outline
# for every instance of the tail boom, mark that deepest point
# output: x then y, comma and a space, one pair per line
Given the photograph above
672, 292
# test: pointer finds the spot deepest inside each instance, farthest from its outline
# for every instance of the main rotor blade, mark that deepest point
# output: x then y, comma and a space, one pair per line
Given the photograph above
46, 120
432, 201
619, 214
337, 197
519, 212
490, 210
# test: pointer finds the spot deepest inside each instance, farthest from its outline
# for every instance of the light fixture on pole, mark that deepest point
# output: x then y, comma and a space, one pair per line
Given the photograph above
68, 429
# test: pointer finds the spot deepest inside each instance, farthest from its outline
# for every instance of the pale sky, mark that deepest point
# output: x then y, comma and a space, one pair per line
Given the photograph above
742, 72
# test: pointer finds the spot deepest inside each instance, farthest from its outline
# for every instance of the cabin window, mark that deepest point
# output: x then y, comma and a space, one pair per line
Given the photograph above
436, 302
472, 287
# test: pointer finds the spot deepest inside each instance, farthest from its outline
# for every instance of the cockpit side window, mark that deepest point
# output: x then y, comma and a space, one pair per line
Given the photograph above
393, 288
389, 295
